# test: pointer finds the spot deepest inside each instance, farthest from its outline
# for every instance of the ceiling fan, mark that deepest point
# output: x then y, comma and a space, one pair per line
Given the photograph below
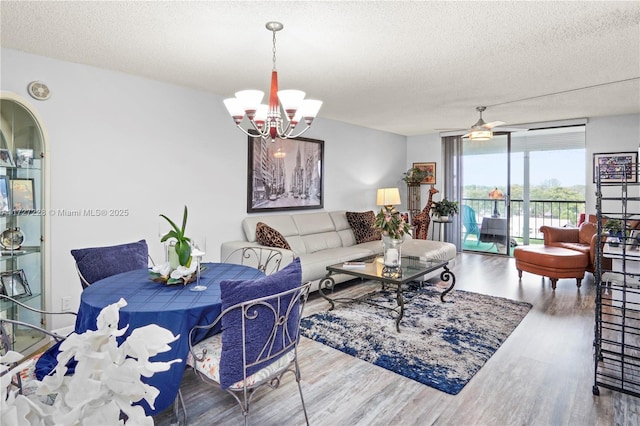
481, 131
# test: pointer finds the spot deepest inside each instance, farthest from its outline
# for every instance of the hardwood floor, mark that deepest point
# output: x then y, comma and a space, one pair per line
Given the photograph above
541, 375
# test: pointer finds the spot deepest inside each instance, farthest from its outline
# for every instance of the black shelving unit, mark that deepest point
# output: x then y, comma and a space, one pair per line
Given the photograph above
617, 315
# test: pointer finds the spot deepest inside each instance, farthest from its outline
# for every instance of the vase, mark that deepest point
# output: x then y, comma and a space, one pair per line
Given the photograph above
174, 262
391, 251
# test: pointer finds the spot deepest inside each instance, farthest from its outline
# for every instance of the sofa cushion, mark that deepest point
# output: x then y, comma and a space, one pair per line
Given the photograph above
313, 223
267, 236
362, 226
315, 264
282, 222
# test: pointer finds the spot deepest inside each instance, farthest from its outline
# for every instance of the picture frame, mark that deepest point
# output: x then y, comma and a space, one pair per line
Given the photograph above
430, 169
406, 215
286, 174
24, 157
5, 202
633, 241
14, 283
22, 195
615, 167
6, 160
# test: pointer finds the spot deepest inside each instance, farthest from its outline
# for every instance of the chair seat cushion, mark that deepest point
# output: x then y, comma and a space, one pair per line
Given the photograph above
210, 365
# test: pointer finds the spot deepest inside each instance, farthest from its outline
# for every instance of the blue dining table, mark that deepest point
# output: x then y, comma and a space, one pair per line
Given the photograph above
174, 307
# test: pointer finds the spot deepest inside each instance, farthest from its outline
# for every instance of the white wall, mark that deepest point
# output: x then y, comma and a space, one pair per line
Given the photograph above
425, 149
118, 141
619, 133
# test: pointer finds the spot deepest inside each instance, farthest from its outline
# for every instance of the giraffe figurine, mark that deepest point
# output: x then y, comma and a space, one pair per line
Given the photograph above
422, 220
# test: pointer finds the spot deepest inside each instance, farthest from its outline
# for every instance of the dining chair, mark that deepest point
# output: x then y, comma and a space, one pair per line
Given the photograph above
21, 380
266, 259
96, 263
258, 344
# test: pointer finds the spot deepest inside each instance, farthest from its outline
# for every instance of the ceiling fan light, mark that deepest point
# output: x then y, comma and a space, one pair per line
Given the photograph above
481, 135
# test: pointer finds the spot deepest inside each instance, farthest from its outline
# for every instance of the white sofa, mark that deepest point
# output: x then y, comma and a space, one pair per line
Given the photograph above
325, 238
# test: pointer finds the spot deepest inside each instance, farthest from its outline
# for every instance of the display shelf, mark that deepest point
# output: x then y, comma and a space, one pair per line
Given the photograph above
617, 314
22, 263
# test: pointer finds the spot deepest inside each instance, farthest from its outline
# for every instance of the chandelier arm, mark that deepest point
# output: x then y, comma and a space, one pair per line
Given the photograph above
301, 132
249, 134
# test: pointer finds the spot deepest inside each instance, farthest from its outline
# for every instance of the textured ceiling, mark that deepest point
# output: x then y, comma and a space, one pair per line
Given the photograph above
404, 67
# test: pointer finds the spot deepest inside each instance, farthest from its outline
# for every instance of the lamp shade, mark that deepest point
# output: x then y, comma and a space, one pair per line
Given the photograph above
496, 194
388, 197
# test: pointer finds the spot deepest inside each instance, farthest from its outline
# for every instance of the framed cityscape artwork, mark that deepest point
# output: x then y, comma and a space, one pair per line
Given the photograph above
285, 175
615, 167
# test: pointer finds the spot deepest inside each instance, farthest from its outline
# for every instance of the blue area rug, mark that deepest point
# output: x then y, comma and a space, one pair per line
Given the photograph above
441, 345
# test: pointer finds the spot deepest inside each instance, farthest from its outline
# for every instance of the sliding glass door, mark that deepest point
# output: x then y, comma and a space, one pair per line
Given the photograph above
486, 194
514, 183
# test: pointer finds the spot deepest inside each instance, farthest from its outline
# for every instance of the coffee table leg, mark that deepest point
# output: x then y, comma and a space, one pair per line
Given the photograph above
446, 276
328, 283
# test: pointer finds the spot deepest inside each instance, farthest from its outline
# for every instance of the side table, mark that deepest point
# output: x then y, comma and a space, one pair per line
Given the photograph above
440, 226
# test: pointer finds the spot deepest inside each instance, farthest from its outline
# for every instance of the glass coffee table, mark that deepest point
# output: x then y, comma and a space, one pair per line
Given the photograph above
372, 268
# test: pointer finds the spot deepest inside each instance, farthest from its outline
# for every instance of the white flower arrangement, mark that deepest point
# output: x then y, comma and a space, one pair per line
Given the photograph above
106, 379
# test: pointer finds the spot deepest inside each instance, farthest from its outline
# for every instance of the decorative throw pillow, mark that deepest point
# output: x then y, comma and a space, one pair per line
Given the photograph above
267, 236
237, 291
362, 225
96, 263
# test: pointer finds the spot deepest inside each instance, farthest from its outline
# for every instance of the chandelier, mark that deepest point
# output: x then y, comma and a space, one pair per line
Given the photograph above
267, 120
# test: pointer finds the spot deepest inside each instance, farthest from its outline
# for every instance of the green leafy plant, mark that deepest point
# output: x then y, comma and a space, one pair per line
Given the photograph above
183, 244
414, 175
614, 226
444, 208
390, 222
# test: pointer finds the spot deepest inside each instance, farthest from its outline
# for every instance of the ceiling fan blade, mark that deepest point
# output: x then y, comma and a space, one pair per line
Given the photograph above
510, 129
493, 124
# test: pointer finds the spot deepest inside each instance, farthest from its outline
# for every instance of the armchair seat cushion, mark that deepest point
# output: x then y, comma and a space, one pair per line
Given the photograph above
583, 248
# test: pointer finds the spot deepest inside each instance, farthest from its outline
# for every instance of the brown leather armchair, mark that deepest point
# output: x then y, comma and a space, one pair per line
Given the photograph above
583, 239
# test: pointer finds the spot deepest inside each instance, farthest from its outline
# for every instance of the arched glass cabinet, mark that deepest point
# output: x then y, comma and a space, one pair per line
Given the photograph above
22, 219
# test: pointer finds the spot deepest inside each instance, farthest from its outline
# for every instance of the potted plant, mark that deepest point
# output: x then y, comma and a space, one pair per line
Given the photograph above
182, 247
414, 176
613, 226
392, 227
444, 209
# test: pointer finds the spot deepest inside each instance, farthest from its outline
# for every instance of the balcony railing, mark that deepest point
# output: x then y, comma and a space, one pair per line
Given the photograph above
540, 212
